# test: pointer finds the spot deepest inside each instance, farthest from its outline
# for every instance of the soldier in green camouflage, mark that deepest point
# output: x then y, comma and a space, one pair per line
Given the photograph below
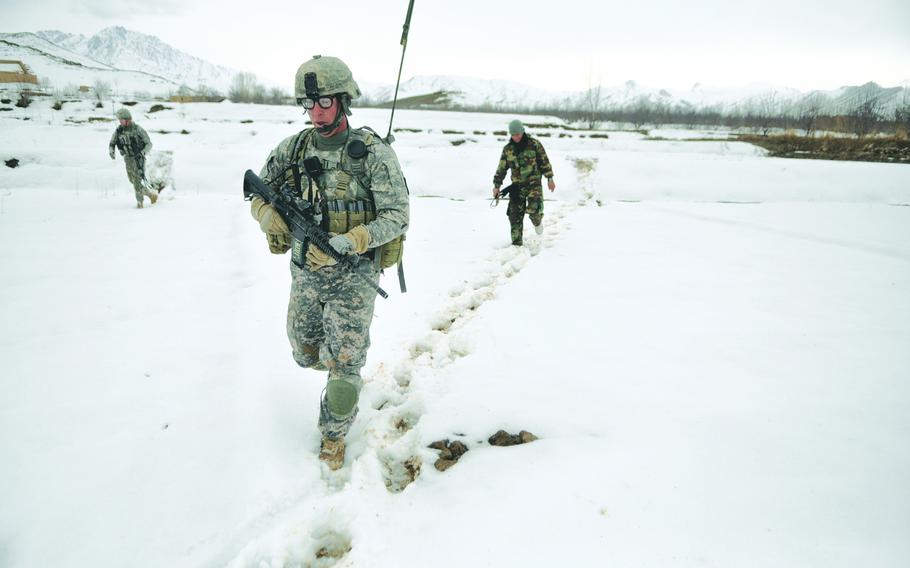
528, 161
133, 143
359, 189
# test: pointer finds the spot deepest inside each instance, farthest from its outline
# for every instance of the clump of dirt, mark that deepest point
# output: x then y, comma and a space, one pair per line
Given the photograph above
129, 103
458, 142
891, 149
449, 453
503, 438
100, 119
12, 163
599, 136
452, 132
158, 108
334, 551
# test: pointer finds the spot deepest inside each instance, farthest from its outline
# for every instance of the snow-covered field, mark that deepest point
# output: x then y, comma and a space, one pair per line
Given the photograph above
711, 345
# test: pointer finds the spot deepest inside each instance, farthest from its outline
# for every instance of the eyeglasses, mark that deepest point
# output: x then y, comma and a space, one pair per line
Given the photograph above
309, 104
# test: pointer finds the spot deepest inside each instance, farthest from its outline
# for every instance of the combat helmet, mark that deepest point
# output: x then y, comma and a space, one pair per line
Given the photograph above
123, 114
326, 77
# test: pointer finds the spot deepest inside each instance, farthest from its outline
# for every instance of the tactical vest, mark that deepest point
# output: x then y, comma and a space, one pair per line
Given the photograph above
343, 207
129, 142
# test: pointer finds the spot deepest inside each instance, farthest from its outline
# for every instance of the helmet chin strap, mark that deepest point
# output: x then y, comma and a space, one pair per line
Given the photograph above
339, 116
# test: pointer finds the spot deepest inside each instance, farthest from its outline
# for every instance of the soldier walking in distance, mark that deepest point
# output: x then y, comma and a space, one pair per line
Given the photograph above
353, 178
528, 161
133, 143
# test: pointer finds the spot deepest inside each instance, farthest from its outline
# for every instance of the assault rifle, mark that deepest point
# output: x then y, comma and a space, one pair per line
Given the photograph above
298, 215
505, 193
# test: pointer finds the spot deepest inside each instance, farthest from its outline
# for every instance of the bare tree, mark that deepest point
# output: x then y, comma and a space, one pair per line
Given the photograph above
206, 91
101, 89
640, 111
865, 116
769, 108
242, 88
808, 111
591, 103
277, 96
902, 115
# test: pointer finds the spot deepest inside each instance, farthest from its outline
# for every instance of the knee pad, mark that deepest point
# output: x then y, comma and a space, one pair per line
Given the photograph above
341, 397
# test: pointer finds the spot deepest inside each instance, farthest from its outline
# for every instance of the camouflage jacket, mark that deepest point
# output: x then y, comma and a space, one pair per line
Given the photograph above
375, 178
131, 140
527, 160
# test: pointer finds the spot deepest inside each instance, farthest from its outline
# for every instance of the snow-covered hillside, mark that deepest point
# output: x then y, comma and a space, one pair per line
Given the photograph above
129, 50
54, 51
64, 71
129, 61
710, 344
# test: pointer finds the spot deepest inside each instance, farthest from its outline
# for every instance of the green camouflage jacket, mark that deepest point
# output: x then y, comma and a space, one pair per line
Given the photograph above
527, 160
131, 140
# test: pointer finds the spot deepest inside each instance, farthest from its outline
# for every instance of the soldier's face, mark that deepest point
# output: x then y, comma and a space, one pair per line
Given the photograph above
324, 116
517, 137
125, 122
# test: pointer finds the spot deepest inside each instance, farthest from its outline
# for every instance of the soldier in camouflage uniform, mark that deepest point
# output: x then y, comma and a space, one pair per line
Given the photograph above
133, 143
363, 199
528, 161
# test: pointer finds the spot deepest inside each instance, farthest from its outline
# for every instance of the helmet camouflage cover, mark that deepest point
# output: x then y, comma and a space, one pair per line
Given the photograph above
323, 77
123, 114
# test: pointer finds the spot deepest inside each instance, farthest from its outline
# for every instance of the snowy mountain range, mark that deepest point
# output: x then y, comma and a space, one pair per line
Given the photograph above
74, 58
139, 63
62, 70
129, 50
450, 92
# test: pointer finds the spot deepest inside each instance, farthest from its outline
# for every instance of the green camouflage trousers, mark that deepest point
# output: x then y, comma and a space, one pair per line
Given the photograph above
528, 200
329, 316
135, 171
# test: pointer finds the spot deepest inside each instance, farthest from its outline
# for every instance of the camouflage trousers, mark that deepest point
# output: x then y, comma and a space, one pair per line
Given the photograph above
528, 200
135, 171
329, 317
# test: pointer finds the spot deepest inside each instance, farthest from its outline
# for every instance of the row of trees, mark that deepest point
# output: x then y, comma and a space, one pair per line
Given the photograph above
245, 88
863, 116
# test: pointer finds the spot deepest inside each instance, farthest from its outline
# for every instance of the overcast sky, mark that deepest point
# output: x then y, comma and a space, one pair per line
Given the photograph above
564, 45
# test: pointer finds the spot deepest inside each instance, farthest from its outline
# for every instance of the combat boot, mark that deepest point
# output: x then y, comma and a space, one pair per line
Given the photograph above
153, 197
537, 228
138, 205
332, 452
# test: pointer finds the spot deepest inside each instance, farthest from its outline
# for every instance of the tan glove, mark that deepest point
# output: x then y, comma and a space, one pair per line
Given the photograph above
270, 221
316, 259
278, 244
355, 241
